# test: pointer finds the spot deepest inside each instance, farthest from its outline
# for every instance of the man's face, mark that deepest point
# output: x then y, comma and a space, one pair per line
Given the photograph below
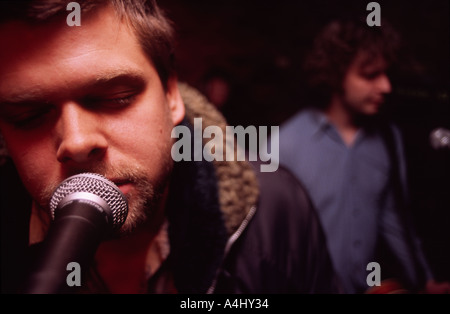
365, 85
76, 99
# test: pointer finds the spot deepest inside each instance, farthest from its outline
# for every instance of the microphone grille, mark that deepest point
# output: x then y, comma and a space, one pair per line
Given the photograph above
440, 138
98, 185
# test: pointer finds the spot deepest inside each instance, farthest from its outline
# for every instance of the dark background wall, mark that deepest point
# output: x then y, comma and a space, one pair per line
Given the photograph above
257, 46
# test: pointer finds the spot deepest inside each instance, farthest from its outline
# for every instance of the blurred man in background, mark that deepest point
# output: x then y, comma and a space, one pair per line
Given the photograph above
351, 159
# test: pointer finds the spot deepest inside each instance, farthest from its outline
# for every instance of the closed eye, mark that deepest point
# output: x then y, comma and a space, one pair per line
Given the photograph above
119, 102
29, 118
116, 101
372, 75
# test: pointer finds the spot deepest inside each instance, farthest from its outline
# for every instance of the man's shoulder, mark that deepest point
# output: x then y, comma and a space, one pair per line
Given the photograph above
298, 129
282, 194
283, 248
305, 118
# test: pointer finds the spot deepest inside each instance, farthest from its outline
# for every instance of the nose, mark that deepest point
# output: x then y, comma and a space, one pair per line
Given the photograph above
384, 84
80, 139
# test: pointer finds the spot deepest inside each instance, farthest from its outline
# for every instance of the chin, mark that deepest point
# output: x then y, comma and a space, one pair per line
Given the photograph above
372, 109
371, 112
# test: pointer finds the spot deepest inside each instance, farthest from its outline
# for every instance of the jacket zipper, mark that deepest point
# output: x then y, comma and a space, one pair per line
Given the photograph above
234, 237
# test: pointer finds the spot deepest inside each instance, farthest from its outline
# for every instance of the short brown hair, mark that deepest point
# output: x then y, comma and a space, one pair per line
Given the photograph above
336, 47
152, 28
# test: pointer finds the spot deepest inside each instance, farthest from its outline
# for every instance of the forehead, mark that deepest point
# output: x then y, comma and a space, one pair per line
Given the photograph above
55, 55
365, 61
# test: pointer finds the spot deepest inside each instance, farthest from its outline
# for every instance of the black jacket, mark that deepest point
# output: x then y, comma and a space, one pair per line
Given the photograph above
283, 248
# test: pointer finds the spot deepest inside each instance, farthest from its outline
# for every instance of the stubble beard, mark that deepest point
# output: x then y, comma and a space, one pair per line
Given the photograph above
143, 199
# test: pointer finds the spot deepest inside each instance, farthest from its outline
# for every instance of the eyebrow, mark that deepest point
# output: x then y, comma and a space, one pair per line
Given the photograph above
109, 78
101, 81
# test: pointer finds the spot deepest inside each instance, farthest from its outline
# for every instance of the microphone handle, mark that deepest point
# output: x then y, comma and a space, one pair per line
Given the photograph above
73, 236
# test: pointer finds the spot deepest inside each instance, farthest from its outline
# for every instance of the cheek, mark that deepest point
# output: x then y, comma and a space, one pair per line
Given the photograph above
146, 140
142, 136
35, 163
356, 89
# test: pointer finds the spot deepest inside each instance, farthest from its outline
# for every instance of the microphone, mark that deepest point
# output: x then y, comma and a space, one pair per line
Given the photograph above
85, 208
440, 138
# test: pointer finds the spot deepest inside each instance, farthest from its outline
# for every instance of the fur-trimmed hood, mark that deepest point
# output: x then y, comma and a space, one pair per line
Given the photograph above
237, 183
208, 206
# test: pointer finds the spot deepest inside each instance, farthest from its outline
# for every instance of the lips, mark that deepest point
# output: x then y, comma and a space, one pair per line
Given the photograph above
123, 185
378, 100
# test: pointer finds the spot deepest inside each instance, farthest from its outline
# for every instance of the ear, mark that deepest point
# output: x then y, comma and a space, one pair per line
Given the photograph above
175, 102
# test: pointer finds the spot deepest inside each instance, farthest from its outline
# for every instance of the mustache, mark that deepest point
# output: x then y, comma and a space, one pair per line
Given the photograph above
119, 172
122, 173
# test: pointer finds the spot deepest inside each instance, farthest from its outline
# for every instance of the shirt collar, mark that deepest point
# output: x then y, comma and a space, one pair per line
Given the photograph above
321, 126
319, 121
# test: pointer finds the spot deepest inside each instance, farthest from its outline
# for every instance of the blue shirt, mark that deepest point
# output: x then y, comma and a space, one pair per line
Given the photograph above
349, 186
